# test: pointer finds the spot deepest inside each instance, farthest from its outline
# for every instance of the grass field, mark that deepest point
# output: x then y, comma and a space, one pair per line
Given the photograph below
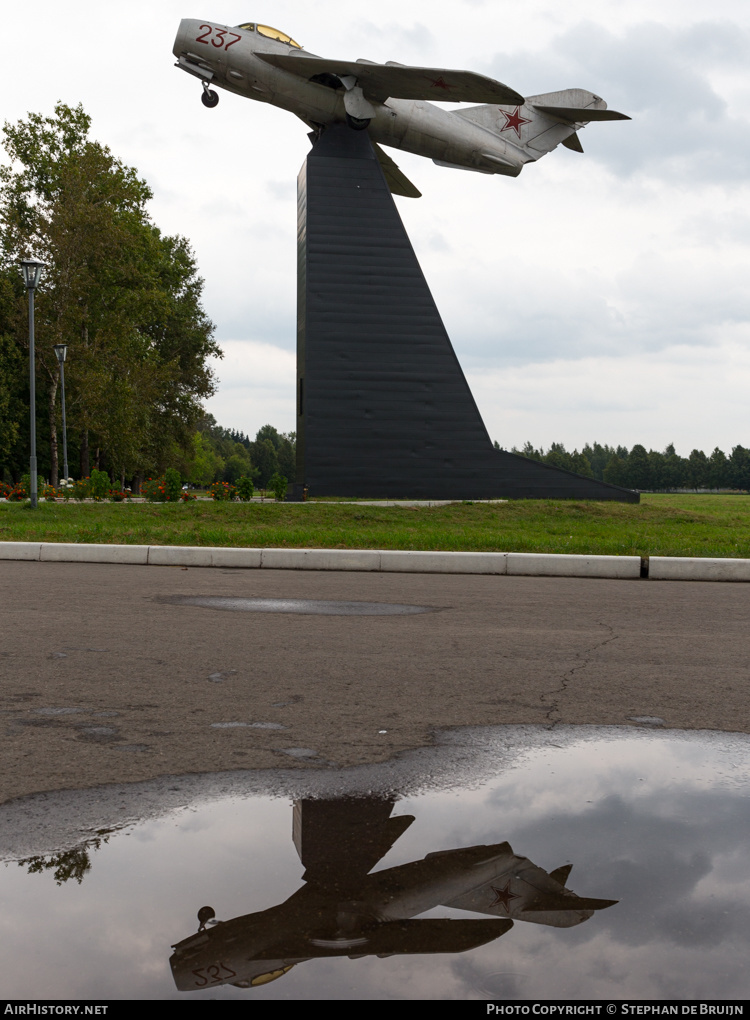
661, 525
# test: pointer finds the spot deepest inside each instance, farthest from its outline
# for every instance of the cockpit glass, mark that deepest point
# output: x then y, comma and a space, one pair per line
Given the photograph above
249, 26
273, 33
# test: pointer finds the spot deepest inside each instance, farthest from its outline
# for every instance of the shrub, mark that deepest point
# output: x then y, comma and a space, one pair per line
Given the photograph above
172, 485
17, 494
277, 484
99, 486
154, 490
49, 492
245, 488
116, 495
81, 489
222, 491
25, 483
187, 497
67, 486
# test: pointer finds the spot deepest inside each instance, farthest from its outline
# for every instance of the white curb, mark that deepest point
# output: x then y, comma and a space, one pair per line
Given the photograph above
567, 565
443, 562
71, 552
320, 559
660, 568
202, 556
20, 550
688, 568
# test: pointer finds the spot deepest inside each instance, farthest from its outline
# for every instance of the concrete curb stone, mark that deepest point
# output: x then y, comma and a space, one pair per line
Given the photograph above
320, 559
696, 568
443, 562
569, 565
202, 556
660, 568
73, 552
20, 550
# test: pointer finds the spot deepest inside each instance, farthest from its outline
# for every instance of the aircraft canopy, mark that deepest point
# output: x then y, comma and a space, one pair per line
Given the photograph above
269, 33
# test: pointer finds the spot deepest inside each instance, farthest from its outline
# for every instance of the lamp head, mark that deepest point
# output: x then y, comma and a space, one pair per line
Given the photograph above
32, 272
61, 351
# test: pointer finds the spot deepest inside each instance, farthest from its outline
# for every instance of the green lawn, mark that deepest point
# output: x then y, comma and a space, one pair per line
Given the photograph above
663, 525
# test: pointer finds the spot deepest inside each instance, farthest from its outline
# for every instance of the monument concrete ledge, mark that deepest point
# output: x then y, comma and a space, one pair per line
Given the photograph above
658, 568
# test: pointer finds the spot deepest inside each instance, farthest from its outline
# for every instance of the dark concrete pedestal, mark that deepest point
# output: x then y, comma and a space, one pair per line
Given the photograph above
383, 408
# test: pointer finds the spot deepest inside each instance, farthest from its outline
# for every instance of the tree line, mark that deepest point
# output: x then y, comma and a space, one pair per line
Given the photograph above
223, 455
650, 470
124, 297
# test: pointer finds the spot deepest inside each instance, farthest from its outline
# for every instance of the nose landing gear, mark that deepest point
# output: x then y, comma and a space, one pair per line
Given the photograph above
357, 123
205, 914
209, 97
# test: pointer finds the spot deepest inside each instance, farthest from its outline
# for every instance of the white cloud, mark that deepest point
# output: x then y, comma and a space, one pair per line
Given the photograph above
256, 381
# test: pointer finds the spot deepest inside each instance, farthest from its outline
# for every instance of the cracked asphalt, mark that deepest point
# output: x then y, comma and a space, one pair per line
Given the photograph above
108, 678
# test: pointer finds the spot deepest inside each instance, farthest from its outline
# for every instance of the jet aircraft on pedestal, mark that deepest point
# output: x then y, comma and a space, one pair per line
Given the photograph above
393, 101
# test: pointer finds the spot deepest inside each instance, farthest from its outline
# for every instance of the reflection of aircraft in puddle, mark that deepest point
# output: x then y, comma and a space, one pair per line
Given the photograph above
343, 910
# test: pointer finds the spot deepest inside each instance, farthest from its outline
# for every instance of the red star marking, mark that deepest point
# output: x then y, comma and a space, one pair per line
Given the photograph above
514, 120
441, 83
504, 896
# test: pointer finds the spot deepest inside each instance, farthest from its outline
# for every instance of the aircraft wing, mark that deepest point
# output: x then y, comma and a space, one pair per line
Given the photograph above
400, 81
396, 180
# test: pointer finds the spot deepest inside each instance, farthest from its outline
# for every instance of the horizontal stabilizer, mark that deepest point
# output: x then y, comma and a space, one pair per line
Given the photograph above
383, 81
577, 116
570, 902
396, 179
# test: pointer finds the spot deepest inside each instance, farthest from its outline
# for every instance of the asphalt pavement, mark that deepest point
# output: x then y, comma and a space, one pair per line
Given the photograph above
109, 675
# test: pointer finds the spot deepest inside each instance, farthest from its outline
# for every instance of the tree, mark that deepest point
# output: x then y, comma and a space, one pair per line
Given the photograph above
11, 409
265, 460
598, 457
697, 470
285, 447
638, 469
123, 296
739, 468
718, 470
615, 471
238, 464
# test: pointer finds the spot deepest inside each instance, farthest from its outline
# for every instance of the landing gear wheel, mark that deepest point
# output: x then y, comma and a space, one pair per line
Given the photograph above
205, 914
357, 123
210, 98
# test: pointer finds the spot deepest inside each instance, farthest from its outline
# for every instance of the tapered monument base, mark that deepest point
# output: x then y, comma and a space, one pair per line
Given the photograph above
383, 408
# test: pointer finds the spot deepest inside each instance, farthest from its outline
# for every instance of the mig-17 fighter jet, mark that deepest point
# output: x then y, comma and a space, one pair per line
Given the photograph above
346, 909
393, 102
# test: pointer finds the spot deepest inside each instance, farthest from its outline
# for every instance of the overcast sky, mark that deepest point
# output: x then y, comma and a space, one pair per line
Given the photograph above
603, 296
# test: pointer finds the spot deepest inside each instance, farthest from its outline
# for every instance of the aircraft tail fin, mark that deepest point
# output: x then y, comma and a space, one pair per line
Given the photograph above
561, 874
544, 121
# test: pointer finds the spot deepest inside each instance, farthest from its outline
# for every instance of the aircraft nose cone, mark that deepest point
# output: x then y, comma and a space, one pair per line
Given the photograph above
178, 47
183, 32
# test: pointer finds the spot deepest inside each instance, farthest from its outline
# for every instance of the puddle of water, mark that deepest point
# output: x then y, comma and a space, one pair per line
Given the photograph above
306, 607
466, 891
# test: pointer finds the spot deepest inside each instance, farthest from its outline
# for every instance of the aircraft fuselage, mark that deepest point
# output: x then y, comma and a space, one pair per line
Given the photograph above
229, 58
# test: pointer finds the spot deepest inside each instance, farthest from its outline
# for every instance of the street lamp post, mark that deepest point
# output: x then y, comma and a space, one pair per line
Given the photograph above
32, 273
61, 351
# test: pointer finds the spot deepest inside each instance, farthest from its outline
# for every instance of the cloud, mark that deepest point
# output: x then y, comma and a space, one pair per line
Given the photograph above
696, 398
257, 386
668, 79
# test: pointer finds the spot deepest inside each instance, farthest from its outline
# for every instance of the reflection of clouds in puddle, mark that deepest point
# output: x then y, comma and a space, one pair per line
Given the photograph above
656, 820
